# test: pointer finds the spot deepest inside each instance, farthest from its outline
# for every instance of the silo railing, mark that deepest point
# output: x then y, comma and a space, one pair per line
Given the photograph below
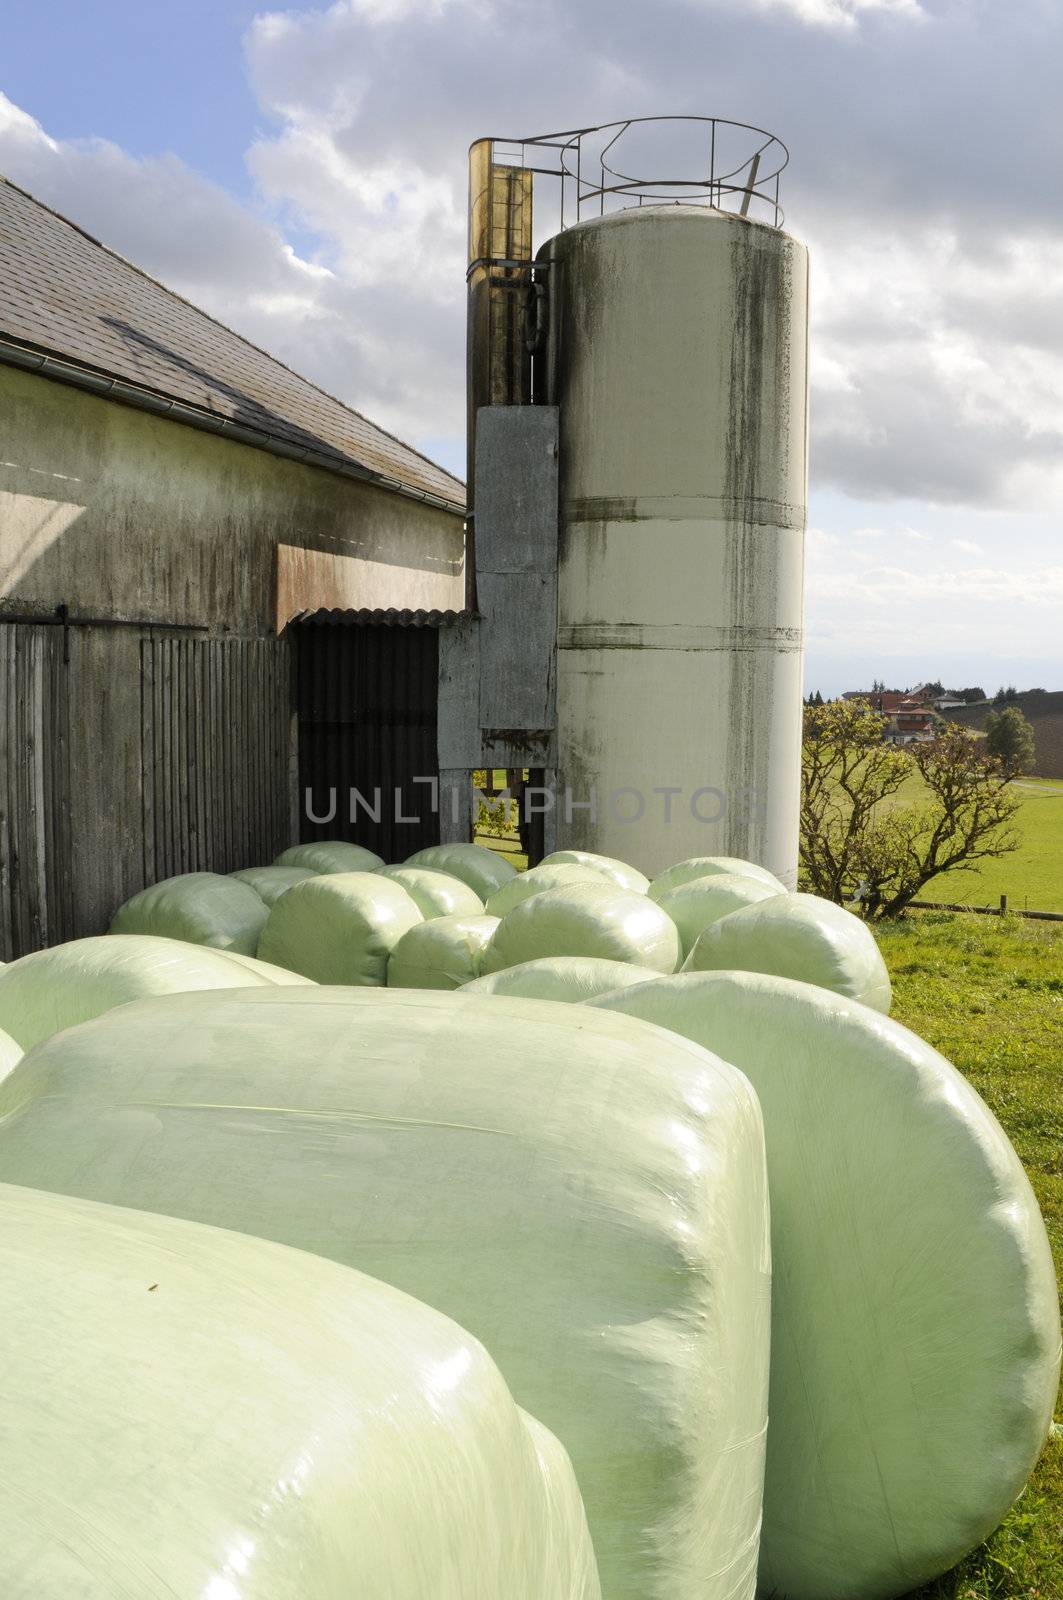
713, 161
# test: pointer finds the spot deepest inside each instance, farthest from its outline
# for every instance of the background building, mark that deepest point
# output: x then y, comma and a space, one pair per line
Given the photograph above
910, 718
218, 584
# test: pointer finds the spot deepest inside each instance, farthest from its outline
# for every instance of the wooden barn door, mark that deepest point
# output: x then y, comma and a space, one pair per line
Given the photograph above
366, 698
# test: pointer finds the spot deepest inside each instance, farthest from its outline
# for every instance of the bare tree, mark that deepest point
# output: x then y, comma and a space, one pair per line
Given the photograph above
862, 841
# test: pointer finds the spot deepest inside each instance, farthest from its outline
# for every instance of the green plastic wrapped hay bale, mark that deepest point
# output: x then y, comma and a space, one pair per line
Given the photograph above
199, 908
915, 1325
11, 1051
435, 894
711, 867
71, 983
548, 875
330, 855
202, 1415
267, 971
798, 936
565, 978
582, 1192
608, 866
483, 870
695, 905
587, 919
339, 928
269, 883
443, 953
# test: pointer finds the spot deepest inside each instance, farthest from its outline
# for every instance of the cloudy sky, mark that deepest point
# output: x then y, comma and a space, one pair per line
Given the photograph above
300, 173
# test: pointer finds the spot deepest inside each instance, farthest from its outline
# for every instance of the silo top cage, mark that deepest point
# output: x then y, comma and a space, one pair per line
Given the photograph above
726, 166
710, 161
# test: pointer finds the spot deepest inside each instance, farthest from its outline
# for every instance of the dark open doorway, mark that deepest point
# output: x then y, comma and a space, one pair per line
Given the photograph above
366, 697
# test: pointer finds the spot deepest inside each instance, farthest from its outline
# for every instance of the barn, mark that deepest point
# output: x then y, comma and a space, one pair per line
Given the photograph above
220, 588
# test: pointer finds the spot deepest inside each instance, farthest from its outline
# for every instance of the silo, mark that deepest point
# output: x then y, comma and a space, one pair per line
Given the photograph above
678, 362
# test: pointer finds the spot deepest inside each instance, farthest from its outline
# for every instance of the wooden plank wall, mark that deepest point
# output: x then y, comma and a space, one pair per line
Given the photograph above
131, 755
34, 786
216, 737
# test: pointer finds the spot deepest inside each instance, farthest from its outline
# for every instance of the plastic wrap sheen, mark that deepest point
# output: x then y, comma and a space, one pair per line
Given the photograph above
199, 908
435, 893
483, 870
71, 983
268, 971
619, 872
587, 919
11, 1051
548, 875
201, 1415
582, 1192
269, 883
695, 904
798, 936
339, 928
567, 978
330, 855
443, 953
915, 1325
708, 867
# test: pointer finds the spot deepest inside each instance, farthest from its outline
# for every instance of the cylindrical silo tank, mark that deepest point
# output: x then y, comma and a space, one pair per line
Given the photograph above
678, 359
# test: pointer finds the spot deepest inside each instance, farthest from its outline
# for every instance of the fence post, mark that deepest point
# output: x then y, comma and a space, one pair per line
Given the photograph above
1003, 905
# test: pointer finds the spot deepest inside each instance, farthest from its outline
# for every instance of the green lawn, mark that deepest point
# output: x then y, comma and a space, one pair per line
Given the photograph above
988, 993
1031, 877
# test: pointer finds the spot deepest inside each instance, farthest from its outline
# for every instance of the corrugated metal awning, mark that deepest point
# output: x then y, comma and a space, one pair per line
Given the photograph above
388, 618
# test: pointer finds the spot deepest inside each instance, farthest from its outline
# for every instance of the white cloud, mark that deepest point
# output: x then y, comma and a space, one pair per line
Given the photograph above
931, 379
386, 353
842, 13
19, 130
942, 366
937, 270
910, 608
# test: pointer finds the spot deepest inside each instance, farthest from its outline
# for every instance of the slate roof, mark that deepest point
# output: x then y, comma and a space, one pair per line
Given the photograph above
66, 295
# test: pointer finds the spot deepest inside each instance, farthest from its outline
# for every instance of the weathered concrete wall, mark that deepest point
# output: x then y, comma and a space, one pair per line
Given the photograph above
155, 735
117, 513
680, 373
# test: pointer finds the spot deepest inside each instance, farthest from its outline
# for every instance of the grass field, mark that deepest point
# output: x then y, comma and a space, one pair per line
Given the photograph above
1031, 877
988, 993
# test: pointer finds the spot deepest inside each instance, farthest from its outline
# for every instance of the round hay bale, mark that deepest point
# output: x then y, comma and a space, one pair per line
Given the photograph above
339, 927
548, 875
694, 905
798, 936
435, 893
565, 978
444, 953
54, 989
198, 908
915, 1325
618, 871
483, 870
708, 867
269, 883
330, 855
587, 919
